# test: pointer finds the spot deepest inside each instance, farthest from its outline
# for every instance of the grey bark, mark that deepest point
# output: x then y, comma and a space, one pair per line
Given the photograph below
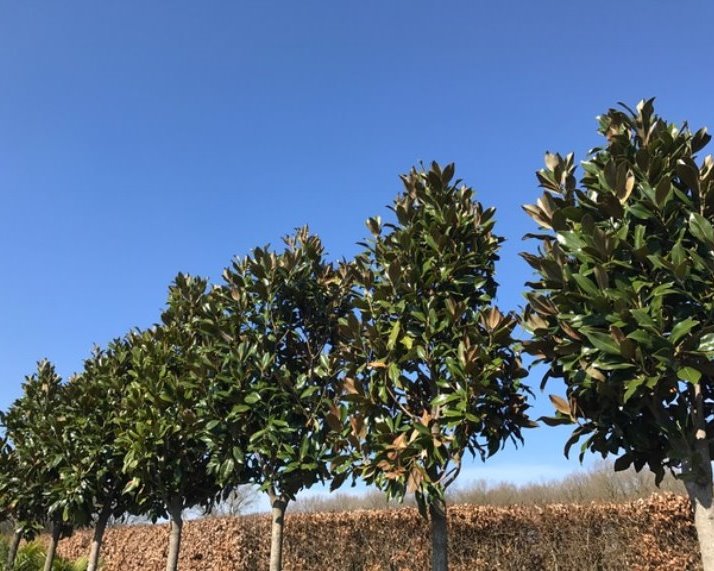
699, 482
52, 547
12, 551
439, 535
701, 497
278, 506
99, 529
175, 510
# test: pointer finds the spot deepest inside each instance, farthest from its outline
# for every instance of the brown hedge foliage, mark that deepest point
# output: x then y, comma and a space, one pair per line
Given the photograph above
652, 534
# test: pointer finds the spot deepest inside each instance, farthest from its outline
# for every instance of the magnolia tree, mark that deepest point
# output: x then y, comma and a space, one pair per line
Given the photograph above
162, 435
27, 514
272, 400
8, 497
34, 428
623, 306
432, 368
93, 479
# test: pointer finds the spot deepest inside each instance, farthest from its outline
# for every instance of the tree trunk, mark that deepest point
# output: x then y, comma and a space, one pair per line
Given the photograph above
699, 484
439, 535
104, 516
175, 537
52, 548
701, 497
12, 551
278, 504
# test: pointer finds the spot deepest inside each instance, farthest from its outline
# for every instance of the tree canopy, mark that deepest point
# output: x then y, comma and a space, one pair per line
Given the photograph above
274, 392
432, 367
622, 309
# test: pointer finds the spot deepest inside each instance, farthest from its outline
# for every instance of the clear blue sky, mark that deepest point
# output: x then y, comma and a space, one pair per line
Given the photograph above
139, 139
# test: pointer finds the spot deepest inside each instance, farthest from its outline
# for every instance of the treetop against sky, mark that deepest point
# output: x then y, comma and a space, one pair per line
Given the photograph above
141, 140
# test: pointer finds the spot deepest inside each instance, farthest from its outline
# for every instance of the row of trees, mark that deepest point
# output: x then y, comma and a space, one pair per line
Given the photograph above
392, 366
292, 371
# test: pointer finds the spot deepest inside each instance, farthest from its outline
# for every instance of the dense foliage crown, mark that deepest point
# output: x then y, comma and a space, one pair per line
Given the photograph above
623, 307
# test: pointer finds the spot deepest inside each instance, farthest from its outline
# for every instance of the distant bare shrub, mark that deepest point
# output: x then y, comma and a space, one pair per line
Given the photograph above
236, 502
598, 484
344, 502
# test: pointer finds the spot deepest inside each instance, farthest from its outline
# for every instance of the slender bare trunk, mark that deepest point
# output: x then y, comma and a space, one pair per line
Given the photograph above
701, 497
52, 548
12, 551
439, 535
99, 529
699, 483
278, 504
175, 536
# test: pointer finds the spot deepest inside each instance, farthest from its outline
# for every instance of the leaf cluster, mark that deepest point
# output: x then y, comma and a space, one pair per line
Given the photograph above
431, 366
161, 434
623, 306
34, 452
274, 389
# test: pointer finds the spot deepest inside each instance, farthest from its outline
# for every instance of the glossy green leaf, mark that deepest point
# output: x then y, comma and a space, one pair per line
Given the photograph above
682, 328
602, 341
689, 374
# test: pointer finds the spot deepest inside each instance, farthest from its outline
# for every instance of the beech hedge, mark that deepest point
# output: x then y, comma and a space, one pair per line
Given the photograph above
652, 534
